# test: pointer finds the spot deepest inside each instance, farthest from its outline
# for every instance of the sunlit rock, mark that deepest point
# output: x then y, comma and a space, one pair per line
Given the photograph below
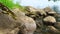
52, 13
30, 9
29, 23
22, 24
49, 20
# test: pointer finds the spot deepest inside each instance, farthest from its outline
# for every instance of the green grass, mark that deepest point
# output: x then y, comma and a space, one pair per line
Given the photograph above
10, 4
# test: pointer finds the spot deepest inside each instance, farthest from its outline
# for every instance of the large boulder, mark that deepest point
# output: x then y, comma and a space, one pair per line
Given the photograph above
49, 20
22, 24
7, 24
29, 23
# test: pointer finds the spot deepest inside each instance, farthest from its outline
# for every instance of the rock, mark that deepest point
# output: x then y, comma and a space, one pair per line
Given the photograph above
18, 12
51, 13
29, 23
7, 24
22, 24
52, 30
49, 20
30, 11
41, 12
57, 25
47, 9
36, 12
0, 10
30, 8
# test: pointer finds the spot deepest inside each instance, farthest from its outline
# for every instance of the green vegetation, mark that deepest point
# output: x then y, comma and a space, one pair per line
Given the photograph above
54, 0
10, 4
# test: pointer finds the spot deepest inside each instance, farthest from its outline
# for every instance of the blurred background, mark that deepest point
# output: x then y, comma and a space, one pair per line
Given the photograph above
41, 3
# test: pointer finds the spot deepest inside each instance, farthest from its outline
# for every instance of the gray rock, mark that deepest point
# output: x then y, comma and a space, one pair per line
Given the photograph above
52, 30
29, 23
22, 24
18, 12
34, 11
51, 13
7, 24
41, 12
57, 25
1, 10
47, 9
30, 8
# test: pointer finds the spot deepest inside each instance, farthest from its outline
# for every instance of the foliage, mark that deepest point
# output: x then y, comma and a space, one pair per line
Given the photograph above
10, 4
54, 0
55, 8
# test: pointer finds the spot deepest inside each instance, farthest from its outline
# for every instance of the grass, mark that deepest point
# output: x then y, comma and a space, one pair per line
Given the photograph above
10, 4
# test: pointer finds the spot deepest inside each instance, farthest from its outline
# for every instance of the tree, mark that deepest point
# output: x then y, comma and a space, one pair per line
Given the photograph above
54, 0
55, 8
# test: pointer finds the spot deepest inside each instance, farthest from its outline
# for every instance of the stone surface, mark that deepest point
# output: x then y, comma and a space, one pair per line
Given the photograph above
34, 11
30, 8
7, 24
29, 23
41, 12
52, 30
42, 21
49, 20
22, 24
57, 25
47, 9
